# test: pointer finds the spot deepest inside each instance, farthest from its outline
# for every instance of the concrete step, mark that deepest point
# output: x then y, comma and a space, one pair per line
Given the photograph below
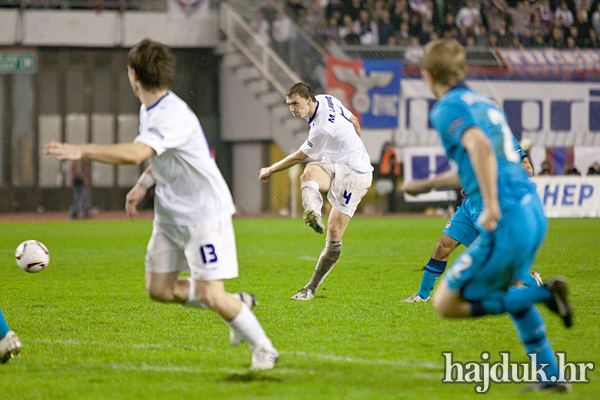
271, 98
248, 73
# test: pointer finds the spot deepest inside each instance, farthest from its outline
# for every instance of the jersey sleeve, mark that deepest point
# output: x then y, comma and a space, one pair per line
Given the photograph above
451, 119
161, 134
342, 109
315, 143
519, 149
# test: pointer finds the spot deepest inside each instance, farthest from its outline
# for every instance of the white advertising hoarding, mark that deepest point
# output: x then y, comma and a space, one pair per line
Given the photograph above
550, 113
569, 196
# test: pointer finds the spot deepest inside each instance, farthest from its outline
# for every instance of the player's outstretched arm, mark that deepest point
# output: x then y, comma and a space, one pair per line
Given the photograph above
483, 161
120, 153
445, 180
138, 192
526, 164
356, 124
287, 162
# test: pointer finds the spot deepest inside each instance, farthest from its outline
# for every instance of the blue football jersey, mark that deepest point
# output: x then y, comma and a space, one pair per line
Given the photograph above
462, 108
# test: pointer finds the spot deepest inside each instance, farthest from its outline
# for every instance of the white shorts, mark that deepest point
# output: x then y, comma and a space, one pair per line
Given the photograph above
348, 186
207, 251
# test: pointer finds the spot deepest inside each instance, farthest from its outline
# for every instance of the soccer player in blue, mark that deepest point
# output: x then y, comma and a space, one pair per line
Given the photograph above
460, 229
10, 345
481, 281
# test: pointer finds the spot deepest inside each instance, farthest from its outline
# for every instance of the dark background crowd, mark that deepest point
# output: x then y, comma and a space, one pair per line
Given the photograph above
495, 23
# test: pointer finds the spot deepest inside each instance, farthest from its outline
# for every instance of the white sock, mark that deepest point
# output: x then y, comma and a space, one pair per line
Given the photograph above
248, 327
311, 197
192, 300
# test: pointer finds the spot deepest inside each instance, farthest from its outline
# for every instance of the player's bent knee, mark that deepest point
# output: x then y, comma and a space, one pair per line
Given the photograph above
439, 306
209, 298
305, 177
308, 175
443, 249
443, 302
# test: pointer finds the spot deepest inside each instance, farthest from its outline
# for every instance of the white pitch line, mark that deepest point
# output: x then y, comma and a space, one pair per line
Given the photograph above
75, 342
320, 356
366, 361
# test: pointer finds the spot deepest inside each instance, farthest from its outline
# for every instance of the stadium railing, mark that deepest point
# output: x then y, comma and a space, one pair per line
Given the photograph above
478, 56
241, 37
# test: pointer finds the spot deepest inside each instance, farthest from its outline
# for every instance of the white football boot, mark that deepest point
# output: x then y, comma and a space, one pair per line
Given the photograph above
304, 294
538, 278
10, 345
264, 357
314, 220
415, 298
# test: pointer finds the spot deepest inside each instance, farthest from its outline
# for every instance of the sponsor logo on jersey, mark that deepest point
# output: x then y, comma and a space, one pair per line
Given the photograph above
330, 103
156, 132
454, 126
309, 143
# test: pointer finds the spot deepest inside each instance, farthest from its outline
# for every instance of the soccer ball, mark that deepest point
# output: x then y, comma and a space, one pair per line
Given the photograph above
32, 256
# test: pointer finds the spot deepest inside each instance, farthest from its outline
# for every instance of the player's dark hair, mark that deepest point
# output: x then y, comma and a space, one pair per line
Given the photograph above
303, 90
445, 60
153, 63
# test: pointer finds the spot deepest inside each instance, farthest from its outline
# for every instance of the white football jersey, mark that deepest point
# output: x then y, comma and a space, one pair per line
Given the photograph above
333, 136
190, 189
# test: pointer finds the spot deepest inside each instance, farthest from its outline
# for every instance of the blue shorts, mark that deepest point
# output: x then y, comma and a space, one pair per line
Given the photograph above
497, 259
461, 226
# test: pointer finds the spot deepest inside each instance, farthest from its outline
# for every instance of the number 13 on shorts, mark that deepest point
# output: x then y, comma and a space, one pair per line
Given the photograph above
207, 252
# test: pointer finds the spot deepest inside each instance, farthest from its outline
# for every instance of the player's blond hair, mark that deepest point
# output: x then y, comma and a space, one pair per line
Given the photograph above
445, 60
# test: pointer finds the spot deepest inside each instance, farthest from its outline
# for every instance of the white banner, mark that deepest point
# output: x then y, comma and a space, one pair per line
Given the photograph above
562, 196
423, 163
186, 10
569, 196
550, 114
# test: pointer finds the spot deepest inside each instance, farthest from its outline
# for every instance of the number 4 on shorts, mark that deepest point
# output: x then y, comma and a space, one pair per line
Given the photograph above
346, 196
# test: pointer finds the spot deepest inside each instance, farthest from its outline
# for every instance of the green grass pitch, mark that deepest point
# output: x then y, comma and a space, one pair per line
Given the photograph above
89, 332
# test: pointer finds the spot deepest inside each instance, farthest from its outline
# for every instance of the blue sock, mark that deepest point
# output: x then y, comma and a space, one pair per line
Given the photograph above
3, 326
433, 270
529, 281
514, 300
532, 331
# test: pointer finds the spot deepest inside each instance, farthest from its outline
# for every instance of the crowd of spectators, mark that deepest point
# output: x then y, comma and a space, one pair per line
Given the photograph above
558, 24
569, 169
561, 24
98, 5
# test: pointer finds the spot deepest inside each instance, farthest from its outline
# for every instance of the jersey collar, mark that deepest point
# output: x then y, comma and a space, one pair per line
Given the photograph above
159, 100
459, 85
315, 114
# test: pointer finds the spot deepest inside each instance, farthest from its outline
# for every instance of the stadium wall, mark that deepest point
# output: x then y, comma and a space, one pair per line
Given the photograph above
74, 87
104, 29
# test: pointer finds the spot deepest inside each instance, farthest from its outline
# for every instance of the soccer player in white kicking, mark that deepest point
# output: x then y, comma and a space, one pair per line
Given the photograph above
344, 172
193, 230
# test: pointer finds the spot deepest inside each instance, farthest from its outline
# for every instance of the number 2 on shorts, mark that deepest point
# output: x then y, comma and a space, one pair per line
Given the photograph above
207, 251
